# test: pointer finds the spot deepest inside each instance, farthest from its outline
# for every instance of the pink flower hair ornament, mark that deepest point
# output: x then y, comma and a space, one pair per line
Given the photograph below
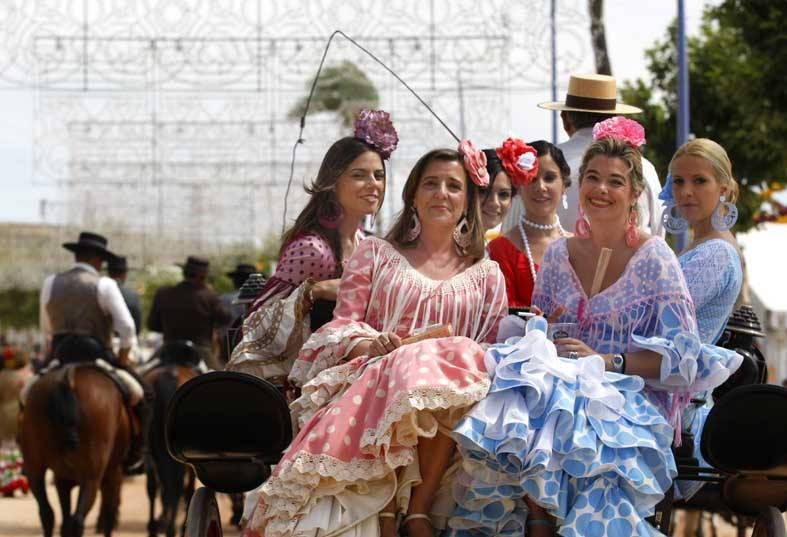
375, 128
520, 161
474, 162
620, 127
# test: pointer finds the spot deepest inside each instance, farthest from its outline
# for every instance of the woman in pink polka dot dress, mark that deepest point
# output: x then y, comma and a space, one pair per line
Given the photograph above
374, 413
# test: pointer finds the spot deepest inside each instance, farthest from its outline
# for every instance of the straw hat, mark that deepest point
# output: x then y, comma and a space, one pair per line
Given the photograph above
591, 93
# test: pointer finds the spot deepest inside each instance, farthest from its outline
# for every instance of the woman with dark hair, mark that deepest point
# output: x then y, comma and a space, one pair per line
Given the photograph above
375, 407
497, 196
350, 185
519, 252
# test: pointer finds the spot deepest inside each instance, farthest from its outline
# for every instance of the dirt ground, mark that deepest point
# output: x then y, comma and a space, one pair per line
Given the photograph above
19, 515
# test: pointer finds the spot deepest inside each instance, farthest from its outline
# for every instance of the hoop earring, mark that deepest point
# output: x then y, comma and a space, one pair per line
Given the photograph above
329, 214
724, 221
632, 230
565, 201
582, 227
462, 236
672, 223
415, 228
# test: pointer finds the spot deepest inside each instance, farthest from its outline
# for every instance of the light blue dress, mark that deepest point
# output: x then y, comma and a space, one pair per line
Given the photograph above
714, 276
591, 447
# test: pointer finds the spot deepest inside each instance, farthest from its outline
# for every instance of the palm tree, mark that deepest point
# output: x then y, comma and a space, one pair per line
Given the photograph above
343, 89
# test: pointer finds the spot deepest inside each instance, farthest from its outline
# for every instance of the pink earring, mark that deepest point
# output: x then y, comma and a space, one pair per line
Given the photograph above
582, 227
632, 230
329, 214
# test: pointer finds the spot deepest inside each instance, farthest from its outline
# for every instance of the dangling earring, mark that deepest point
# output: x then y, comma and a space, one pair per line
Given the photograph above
672, 223
462, 236
329, 214
415, 228
632, 230
565, 201
724, 221
582, 227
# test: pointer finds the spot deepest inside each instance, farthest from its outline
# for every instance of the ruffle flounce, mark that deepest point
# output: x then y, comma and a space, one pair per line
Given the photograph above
586, 445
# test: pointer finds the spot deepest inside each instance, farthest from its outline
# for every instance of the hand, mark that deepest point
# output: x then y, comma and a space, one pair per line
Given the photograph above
383, 344
567, 345
124, 356
326, 289
552, 317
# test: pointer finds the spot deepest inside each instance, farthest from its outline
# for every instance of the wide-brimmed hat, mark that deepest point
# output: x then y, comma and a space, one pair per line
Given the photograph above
195, 264
242, 269
118, 263
90, 241
592, 93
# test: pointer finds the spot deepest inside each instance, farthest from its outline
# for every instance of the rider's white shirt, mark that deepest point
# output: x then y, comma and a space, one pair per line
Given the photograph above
110, 300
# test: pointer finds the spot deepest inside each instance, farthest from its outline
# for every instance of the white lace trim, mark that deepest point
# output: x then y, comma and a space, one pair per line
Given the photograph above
328, 342
291, 492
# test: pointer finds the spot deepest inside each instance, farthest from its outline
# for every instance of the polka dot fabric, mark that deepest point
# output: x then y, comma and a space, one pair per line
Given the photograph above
592, 447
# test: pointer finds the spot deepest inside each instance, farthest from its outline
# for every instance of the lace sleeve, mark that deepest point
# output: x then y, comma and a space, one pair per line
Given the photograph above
333, 341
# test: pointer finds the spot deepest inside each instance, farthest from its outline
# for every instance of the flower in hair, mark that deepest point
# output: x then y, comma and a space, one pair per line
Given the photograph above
520, 161
620, 127
375, 128
474, 162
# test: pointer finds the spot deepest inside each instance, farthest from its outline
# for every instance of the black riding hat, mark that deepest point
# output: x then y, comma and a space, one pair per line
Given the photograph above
242, 269
90, 241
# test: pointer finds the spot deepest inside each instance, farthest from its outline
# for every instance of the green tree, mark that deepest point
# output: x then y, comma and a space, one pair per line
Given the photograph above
343, 89
737, 94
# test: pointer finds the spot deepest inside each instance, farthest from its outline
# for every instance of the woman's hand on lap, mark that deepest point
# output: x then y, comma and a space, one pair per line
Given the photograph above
567, 345
383, 344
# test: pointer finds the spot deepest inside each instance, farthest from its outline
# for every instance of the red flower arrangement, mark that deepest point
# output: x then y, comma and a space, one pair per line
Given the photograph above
474, 162
520, 161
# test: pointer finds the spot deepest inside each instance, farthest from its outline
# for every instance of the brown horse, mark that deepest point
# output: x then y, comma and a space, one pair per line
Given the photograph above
75, 423
162, 470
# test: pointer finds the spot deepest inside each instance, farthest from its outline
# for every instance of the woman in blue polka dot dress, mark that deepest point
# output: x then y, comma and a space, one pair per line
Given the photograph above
575, 435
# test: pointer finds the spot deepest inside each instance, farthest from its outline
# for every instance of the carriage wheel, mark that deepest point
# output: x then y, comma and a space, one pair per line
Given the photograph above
769, 524
203, 518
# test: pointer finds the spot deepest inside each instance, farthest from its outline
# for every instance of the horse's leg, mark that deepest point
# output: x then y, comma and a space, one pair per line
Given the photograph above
88, 490
45, 512
171, 474
63, 487
152, 486
110, 498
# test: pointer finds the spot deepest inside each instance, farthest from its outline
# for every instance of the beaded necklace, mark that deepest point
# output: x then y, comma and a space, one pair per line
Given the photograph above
544, 227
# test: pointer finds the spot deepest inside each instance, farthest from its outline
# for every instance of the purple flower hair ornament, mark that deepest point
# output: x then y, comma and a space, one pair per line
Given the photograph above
375, 128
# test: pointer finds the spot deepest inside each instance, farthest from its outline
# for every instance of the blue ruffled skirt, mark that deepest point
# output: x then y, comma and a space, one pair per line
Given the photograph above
586, 445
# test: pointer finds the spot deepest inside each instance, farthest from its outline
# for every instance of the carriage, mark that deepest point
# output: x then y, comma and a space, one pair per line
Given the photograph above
746, 481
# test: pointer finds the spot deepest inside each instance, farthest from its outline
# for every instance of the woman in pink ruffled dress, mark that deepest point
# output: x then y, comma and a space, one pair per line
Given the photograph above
374, 412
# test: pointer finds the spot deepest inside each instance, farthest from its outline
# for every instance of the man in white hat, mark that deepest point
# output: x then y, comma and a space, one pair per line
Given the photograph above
590, 99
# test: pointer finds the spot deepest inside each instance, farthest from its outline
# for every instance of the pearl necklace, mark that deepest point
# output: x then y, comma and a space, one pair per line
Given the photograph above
544, 227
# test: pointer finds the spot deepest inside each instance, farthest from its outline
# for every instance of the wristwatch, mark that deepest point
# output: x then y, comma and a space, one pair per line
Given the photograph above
619, 363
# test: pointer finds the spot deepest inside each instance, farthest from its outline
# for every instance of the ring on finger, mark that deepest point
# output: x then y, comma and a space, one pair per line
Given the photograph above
573, 355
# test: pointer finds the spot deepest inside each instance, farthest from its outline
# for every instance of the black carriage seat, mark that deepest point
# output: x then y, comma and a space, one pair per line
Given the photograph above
230, 427
746, 430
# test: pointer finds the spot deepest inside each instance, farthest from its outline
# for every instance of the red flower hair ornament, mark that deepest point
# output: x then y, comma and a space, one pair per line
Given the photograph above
474, 162
620, 127
520, 161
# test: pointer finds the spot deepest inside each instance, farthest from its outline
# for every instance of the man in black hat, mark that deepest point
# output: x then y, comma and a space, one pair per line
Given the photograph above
239, 275
117, 267
190, 310
80, 309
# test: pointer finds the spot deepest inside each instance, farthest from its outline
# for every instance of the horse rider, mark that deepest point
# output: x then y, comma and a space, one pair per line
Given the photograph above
79, 310
239, 276
190, 310
117, 267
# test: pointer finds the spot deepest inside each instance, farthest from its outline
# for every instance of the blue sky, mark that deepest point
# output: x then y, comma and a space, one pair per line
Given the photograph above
631, 26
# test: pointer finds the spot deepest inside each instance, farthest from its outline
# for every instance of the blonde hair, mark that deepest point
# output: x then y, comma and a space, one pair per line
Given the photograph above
716, 156
617, 148
399, 231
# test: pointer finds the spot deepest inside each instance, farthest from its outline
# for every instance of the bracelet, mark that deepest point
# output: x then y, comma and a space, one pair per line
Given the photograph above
623, 369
